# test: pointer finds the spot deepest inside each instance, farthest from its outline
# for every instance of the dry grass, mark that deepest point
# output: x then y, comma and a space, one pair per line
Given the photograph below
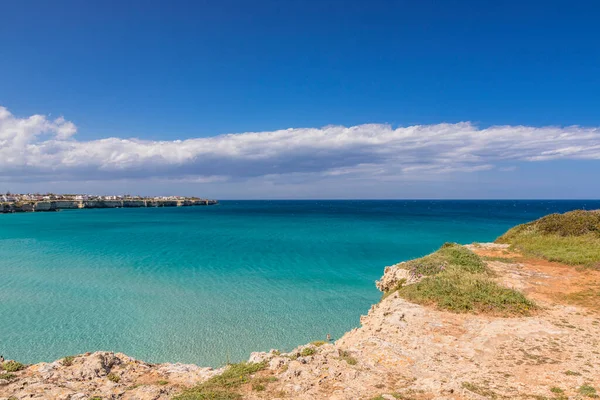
572, 238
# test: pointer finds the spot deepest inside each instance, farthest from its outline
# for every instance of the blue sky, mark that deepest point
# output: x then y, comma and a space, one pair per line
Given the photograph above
159, 72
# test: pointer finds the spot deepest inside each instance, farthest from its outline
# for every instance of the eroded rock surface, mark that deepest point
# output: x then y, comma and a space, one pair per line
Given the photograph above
101, 374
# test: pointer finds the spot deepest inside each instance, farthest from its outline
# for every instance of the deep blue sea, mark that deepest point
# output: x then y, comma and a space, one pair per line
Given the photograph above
208, 285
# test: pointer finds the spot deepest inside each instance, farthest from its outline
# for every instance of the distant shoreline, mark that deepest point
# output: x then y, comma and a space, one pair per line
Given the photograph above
57, 205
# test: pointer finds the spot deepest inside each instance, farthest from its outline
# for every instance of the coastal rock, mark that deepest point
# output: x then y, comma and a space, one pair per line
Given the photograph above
393, 276
65, 205
32, 203
258, 357
98, 364
43, 206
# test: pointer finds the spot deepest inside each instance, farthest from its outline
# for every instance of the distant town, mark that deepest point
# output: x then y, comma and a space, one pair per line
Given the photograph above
11, 202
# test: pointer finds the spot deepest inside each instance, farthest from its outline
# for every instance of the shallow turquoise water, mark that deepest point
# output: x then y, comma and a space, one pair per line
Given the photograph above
211, 284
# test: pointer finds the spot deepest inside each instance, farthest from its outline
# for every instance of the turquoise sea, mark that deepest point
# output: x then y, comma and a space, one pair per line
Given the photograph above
208, 285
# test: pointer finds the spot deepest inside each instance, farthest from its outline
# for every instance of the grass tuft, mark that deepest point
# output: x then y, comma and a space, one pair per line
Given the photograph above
12, 366
394, 395
113, 377
7, 376
572, 373
346, 356
307, 351
67, 361
258, 387
463, 292
572, 238
587, 390
449, 255
458, 280
480, 390
224, 386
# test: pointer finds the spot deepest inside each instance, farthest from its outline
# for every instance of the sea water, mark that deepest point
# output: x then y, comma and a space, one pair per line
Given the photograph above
209, 285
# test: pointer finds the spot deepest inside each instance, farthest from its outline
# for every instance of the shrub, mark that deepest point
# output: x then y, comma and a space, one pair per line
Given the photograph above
12, 366
67, 361
113, 377
318, 343
346, 356
572, 373
258, 387
571, 238
588, 391
7, 376
574, 223
307, 351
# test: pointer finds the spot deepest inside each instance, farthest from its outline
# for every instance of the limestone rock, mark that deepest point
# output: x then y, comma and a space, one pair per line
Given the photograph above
394, 275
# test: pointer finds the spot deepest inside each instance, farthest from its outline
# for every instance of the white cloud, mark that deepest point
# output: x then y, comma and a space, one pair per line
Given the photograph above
37, 148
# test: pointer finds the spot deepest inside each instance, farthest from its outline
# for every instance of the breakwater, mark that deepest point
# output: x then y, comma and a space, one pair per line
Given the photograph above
56, 205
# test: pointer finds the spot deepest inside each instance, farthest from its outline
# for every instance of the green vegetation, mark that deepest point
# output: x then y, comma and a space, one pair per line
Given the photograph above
346, 356
572, 373
307, 351
258, 387
7, 376
480, 390
113, 377
456, 279
67, 361
449, 255
318, 343
224, 386
163, 382
395, 395
135, 386
12, 366
572, 238
557, 390
587, 390
463, 292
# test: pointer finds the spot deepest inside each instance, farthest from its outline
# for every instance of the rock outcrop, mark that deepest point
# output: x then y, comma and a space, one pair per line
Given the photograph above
396, 275
401, 351
103, 375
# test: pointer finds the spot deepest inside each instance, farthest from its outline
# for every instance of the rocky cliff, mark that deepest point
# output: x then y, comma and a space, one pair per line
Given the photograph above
401, 351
